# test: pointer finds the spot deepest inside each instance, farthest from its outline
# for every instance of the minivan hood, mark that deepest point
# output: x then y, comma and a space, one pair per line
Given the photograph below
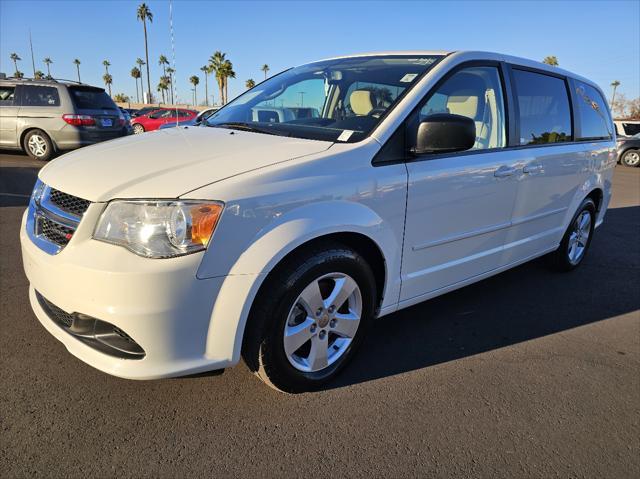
169, 163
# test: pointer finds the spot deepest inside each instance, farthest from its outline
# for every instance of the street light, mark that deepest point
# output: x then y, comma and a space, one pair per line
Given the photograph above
301, 98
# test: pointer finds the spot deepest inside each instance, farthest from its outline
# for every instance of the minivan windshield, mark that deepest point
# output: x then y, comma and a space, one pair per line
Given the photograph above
333, 100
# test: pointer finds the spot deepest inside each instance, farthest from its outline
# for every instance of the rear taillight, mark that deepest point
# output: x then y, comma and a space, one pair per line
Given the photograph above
79, 120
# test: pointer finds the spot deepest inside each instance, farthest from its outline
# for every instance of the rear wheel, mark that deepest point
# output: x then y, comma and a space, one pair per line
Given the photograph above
138, 129
577, 238
309, 319
38, 145
631, 158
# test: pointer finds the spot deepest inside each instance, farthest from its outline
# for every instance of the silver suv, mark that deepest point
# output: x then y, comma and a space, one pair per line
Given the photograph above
42, 117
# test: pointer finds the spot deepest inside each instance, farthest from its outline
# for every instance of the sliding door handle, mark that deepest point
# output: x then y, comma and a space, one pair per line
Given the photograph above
505, 171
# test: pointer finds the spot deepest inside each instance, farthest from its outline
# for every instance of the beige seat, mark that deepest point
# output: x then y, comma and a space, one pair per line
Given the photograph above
361, 102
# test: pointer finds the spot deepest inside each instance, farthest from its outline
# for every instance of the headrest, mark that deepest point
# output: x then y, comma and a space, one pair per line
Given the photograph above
361, 102
463, 105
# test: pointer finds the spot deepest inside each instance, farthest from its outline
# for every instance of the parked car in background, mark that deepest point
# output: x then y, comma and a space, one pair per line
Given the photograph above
43, 117
160, 117
628, 148
144, 111
281, 242
627, 127
127, 119
200, 117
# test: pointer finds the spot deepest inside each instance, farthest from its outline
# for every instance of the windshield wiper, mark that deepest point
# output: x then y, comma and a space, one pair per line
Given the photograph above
244, 126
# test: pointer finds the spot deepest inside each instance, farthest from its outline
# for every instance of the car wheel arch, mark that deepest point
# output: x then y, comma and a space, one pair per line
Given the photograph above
26, 131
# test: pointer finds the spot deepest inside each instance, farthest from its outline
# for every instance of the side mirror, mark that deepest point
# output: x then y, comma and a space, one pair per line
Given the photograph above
444, 133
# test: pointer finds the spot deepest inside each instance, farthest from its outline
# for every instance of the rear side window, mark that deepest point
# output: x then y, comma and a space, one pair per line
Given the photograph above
91, 99
7, 93
592, 110
543, 102
40, 96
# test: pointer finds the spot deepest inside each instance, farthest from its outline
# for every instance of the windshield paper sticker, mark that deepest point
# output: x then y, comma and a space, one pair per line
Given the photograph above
408, 77
345, 135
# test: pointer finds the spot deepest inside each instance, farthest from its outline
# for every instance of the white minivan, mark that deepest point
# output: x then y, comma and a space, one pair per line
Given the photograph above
183, 250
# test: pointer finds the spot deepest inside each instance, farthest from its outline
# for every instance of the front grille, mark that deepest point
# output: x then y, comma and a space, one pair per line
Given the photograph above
54, 232
69, 203
56, 314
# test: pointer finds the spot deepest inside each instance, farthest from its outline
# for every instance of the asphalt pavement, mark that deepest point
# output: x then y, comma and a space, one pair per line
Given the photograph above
527, 374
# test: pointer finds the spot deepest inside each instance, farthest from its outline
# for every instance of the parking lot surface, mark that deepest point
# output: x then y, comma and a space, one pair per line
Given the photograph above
528, 374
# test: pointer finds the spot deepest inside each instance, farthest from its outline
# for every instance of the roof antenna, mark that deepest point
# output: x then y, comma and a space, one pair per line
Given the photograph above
33, 62
173, 59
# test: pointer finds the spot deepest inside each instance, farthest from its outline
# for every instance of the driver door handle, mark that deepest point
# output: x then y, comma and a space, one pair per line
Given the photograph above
505, 171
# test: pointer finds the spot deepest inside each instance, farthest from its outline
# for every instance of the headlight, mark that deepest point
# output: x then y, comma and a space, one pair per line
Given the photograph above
159, 229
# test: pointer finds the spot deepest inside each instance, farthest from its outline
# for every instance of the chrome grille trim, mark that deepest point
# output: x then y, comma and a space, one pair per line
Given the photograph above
53, 218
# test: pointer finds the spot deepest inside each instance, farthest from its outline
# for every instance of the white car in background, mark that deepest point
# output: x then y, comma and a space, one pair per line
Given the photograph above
280, 242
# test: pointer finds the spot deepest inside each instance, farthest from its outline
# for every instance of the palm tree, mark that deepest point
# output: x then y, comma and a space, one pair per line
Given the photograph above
265, 69
76, 62
38, 75
206, 70
121, 98
135, 73
217, 61
551, 60
163, 62
227, 71
250, 83
106, 65
615, 84
108, 80
194, 81
140, 62
15, 59
48, 61
171, 71
18, 74
163, 86
144, 14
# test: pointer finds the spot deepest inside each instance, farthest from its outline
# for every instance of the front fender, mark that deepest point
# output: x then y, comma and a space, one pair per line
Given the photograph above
273, 243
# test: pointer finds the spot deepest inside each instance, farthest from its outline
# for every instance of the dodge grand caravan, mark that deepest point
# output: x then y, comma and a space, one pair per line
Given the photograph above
280, 242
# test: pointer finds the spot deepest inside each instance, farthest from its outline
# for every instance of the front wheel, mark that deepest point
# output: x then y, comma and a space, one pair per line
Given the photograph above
577, 238
138, 129
309, 318
631, 158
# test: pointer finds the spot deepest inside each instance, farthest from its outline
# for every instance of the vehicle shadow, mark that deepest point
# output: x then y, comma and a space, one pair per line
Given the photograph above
522, 304
17, 190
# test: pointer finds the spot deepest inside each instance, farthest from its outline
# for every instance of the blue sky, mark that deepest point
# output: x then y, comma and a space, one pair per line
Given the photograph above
597, 39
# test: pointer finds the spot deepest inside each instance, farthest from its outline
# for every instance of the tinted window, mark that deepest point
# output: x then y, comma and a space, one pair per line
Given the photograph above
40, 96
6, 95
594, 116
91, 99
545, 115
477, 94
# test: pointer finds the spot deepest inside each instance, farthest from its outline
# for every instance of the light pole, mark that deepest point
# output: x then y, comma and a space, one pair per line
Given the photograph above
301, 98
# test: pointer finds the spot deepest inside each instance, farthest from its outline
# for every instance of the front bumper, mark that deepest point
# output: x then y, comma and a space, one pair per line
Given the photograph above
159, 303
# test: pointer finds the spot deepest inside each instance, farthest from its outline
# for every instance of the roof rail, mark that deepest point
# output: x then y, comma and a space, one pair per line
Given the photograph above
54, 80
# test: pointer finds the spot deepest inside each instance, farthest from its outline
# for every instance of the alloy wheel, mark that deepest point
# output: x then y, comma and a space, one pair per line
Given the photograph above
37, 145
579, 237
322, 322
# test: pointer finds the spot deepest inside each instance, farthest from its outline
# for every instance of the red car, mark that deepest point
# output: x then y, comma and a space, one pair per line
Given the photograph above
153, 120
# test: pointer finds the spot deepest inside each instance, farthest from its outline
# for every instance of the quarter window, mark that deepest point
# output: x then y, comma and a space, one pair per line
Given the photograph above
594, 117
543, 103
6, 95
476, 93
40, 96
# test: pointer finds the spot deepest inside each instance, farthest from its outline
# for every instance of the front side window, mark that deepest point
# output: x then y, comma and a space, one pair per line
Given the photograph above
595, 123
334, 100
7, 94
543, 103
40, 96
474, 92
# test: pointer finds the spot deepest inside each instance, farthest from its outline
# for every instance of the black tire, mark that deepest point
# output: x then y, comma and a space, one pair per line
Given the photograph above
560, 259
263, 345
38, 145
138, 129
631, 158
